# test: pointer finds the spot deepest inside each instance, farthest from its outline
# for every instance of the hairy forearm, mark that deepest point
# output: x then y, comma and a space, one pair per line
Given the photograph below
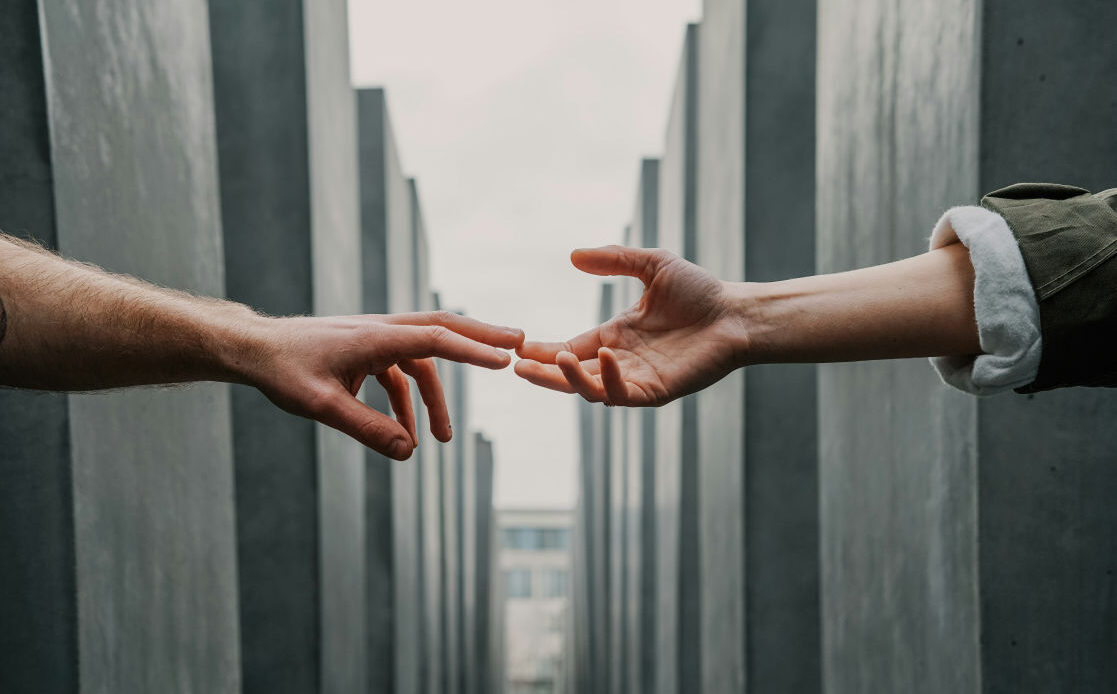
74, 327
917, 307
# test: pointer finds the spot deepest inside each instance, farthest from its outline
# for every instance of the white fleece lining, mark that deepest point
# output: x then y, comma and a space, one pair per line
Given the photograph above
1005, 305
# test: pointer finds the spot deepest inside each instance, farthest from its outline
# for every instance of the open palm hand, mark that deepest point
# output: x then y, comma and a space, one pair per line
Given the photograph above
674, 341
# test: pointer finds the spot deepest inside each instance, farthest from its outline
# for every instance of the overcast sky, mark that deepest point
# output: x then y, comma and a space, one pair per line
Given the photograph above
524, 122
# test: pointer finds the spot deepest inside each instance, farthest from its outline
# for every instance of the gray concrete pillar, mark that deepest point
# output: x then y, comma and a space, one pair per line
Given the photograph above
391, 501
757, 463
37, 509
488, 599
602, 500
462, 462
450, 527
966, 544
257, 59
472, 546
582, 598
782, 632
336, 244
676, 633
284, 105
117, 508
617, 605
640, 457
428, 461
719, 230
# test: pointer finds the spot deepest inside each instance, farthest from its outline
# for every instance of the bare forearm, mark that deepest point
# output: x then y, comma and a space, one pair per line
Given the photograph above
917, 307
74, 327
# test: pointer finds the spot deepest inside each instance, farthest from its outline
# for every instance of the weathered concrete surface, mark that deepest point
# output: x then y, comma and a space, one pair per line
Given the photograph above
451, 523
896, 449
618, 471
335, 227
720, 248
428, 460
36, 504
934, 576
258, 60
390, 504
1046, 548
472, 665
640, 511
676, 649
583, 600
393, 508
488, 626
597, 506
781, 473
457, 380
135, 534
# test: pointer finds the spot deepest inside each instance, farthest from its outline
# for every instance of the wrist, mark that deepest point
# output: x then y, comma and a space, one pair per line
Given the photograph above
762, 314
739, 314
240, 344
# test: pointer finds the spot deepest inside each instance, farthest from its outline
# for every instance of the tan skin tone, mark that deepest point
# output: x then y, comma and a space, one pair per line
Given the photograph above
74, 327
690, 329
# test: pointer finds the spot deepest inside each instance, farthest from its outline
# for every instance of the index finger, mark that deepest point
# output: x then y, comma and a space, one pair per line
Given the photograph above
495, 335
420, 342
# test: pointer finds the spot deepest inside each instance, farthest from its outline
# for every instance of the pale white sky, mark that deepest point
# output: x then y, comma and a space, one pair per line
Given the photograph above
524, 122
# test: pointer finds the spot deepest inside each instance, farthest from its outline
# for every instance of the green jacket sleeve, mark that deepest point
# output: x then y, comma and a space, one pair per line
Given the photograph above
1068, 238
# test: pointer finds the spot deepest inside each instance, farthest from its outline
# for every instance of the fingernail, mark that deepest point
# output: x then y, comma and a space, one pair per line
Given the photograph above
399, 449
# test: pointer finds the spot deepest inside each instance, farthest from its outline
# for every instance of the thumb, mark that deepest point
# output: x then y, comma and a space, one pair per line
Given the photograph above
372, 429
642, 263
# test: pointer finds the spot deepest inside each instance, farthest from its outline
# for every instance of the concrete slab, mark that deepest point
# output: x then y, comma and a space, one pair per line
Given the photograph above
473, 653
583, 600
604, 480
487, 640
461, 467
137, 479
720, 248
258, 59
428, 460
451, 524
335, 226
677, 654
617, 605
781, 474
36, 511
640, 462
930, 570
391, 502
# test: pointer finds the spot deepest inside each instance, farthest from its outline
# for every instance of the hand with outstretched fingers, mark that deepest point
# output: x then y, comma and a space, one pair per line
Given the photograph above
313, 367
679, 338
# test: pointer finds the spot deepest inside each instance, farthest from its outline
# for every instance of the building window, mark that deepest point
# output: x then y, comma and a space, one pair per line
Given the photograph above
517, 583
536, 539
554, 583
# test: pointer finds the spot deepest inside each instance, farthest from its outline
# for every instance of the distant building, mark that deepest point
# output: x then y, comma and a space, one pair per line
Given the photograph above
535, 567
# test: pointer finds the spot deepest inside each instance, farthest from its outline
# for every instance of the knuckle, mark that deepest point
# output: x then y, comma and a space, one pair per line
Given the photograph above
369, 430
438, 335
441, 317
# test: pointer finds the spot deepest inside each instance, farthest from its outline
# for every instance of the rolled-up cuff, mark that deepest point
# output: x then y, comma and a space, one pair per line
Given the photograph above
1004, 303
